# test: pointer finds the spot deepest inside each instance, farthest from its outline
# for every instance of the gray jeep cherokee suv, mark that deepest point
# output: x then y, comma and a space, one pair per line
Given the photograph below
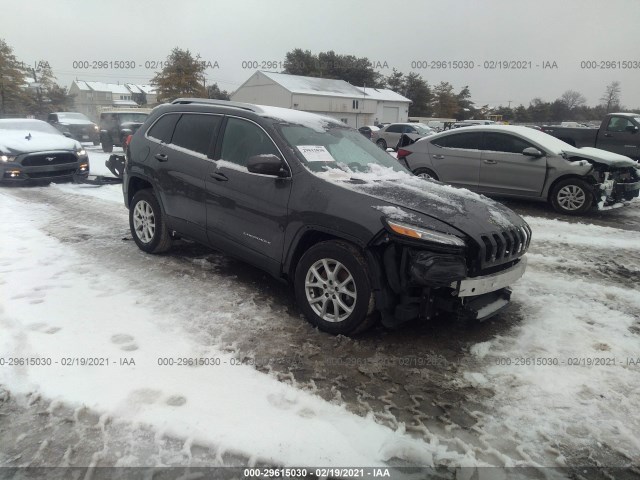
314, 203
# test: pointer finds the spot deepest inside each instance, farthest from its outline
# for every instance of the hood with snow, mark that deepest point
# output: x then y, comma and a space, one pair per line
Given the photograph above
16, 142
405, 197
598, 155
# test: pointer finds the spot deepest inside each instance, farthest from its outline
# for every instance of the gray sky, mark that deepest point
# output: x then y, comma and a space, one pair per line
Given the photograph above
229, 32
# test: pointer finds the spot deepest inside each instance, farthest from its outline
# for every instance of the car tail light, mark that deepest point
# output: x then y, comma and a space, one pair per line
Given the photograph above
127, 140
403, 153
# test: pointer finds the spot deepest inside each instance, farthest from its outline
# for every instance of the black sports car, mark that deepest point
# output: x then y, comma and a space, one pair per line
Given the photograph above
34, 151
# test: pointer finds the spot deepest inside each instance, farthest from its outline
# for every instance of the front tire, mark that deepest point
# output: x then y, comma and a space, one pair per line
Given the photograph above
382, 144
333, 288
425, 173
572, 196
147, 223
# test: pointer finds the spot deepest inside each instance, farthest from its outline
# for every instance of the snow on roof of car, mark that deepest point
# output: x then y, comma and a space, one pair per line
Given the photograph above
545, 140
314, 85
311, 120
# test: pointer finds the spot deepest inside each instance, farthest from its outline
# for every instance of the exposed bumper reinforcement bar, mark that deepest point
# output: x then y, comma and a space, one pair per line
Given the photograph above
471, 287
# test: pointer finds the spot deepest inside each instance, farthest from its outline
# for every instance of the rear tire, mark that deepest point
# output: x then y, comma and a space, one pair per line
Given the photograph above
107, 147
426, 173
333, 288
147, 223
572, 196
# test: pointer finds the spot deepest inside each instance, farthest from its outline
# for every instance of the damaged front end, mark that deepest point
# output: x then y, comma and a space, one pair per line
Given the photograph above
468, 281
616, 187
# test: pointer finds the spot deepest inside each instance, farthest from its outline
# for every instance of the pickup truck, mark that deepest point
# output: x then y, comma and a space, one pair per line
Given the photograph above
618, 133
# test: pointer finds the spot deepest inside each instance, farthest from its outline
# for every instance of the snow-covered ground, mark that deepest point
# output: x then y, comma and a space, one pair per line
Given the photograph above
554, 381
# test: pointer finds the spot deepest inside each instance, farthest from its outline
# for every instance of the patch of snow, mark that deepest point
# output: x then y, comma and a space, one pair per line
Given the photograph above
68, 308
396, 213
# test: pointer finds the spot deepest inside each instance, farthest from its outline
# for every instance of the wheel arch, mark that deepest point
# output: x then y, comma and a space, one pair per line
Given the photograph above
135, 184
306, 238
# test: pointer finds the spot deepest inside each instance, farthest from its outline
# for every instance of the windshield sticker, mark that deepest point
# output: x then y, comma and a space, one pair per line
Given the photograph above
315, 153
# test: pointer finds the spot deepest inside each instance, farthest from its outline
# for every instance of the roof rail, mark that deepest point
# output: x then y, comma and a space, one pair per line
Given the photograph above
211, 101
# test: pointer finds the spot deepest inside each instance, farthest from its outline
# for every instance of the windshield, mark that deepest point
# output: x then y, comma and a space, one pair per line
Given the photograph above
133, 117
423, 129
72, 116
336, 147
28, 126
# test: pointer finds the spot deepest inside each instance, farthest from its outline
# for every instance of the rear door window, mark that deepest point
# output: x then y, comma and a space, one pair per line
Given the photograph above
463, 141
394, 129
196, 132
162, 130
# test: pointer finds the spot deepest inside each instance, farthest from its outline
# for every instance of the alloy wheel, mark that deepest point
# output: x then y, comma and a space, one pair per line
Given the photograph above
144, 221
331, 290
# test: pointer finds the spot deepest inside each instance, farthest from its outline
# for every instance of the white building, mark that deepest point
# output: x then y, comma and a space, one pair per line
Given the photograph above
355, 106
91, 97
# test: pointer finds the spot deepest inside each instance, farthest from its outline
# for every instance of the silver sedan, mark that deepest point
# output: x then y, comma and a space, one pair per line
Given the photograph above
525, 163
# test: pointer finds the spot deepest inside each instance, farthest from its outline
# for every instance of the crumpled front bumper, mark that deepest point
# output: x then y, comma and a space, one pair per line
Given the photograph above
613, 194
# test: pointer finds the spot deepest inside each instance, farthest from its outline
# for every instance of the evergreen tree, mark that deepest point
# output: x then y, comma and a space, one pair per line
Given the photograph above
465, 105
182, 76
213, 91
395, 82
357, 71
444, 102
417, 90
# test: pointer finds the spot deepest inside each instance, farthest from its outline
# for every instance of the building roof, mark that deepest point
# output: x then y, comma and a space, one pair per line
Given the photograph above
314, 85
117, 88
147, 89
383, 94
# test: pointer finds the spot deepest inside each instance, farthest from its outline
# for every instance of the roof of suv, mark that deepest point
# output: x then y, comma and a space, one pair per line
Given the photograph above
287, 115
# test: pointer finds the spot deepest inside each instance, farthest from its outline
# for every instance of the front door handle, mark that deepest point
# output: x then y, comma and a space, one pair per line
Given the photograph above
221, 177
489, 162
439, 157
161, 157
608, 135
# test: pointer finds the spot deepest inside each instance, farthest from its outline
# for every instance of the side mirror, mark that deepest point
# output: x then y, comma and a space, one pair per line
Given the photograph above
632, 128
267, 164
67, 134
532, 152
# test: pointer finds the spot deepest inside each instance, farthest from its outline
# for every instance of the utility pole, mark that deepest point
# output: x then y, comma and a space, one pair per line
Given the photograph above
509, 103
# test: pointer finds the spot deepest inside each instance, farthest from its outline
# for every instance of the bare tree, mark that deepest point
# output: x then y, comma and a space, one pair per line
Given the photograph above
573, 99
611, 97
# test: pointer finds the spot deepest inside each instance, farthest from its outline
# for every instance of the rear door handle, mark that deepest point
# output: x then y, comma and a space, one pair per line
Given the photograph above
221, 177
489, 162
608, 135
439, 157
161, 157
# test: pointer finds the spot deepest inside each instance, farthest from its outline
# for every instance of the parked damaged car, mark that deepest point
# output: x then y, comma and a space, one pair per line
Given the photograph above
314, 203
32, 151
521, 162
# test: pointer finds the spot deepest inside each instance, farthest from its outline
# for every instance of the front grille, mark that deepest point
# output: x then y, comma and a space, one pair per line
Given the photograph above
504, 246
42, 159
80, 129
51, 174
